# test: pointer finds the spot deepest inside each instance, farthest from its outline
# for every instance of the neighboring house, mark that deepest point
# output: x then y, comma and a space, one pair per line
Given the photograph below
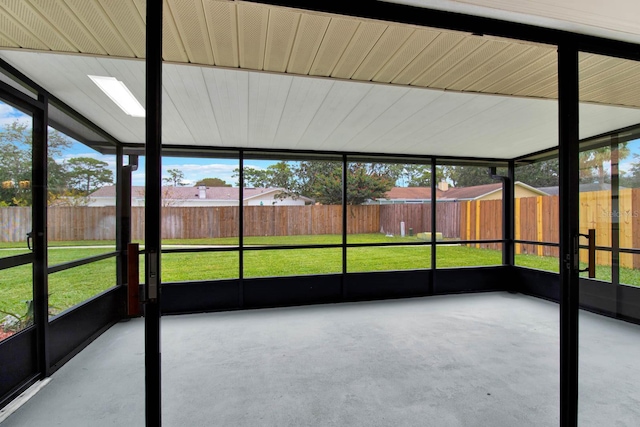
445, 192
202, 196
584, 188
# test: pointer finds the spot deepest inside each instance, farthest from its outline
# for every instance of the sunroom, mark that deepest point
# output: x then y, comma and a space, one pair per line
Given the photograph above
515, 309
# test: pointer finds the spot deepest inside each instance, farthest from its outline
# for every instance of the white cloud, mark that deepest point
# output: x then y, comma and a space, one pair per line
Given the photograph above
195, 172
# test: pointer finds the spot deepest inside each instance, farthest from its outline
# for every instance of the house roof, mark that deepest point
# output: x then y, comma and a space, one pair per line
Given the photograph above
191, 193
239, 74
410, 193
453, 193
583, 188
470, 193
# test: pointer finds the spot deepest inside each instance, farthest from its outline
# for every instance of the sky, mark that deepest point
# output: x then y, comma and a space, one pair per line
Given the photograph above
194, 169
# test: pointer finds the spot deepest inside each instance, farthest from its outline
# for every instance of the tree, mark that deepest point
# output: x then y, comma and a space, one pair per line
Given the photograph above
420, 175
175, 178
322, 180
87, 174
277, 175
15, 163
211, 182
468, 176
631, 178
539, 174
594, 160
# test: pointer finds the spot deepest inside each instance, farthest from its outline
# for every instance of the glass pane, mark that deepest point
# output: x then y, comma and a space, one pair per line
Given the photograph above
603, 265
608, 178
630, 269
180, 267
629, 213
199, 201
16, 300
292, 262
536, 204
388, 258
70, 287
386, 201
539, 257
469, 202
15, 181
82, 197
292, 202
472, 255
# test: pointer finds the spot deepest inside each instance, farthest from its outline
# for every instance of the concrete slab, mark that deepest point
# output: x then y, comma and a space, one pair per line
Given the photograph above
462, 360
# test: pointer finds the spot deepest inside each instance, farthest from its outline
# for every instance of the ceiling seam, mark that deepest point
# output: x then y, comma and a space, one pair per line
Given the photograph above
477, 66
51, 27
397, 51
213, 111
540, 71
115, 28
407, 91
81, 24
266, 37
330, 72
179, 110
315, 113
207, 39
324, 34
109, 24
285, 103
357, 67
436, 62
10, 39
530, 72
19, 24
456, 124
405, 119
345, 115
414, 57
458, 62
176, 33
389, 28
492, 80
235, 15
295, 37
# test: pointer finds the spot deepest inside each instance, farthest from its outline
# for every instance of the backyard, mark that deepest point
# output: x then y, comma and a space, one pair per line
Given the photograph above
70, 287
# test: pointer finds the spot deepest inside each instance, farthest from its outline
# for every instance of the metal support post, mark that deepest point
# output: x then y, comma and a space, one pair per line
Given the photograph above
569, 218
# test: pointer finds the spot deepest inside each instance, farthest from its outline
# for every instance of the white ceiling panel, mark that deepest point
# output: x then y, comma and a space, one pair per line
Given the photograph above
369, 109
213, 107
339, 102
228, 97
399, 114
303, 102
187, 88
268, 94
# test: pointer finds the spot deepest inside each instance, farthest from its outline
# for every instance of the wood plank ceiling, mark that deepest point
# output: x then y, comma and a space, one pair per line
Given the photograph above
232, 35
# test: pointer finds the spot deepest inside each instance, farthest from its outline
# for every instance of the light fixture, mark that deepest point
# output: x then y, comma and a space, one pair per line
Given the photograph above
120, 94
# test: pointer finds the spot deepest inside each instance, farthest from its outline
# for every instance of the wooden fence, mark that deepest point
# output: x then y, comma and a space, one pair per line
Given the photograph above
98, 223
418, 218
481, 220
537, 219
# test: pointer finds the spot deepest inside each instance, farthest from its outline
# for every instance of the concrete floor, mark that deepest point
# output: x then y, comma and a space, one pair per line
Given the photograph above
460, 360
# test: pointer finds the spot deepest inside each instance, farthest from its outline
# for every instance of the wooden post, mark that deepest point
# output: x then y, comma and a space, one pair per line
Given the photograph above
518, 222
539, 224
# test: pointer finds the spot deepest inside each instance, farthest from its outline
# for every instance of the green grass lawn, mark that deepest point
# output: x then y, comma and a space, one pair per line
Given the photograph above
70, 287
